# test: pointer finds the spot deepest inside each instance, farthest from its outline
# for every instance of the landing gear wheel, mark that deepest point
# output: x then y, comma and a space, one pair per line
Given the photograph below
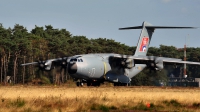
121, 84
78, 84
115, 84
81, 83
89, 83
96, 84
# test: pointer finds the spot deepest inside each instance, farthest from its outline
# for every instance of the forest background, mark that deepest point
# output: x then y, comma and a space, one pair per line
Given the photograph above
18, 46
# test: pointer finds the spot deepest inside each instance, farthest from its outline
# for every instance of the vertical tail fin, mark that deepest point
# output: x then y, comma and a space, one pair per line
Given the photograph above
144, 39
145, 36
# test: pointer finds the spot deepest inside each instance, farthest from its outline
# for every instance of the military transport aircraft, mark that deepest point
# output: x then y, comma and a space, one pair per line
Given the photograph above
94, 69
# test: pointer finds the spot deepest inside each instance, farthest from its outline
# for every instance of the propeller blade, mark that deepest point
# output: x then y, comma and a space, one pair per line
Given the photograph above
64, 64
41, 64
154, 63
120, 63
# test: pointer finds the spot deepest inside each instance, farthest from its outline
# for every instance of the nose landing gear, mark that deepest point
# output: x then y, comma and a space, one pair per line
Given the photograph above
79, 84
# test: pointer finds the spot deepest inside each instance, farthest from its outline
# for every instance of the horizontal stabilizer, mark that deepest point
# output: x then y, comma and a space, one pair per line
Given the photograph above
156, 27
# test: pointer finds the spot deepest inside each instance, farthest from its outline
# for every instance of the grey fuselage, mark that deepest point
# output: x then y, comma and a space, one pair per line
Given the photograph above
95, 66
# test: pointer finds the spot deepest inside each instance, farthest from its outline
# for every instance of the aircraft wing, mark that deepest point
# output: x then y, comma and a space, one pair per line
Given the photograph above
182, 62
49, 60
163, 59
47, 64
146, 59
32, 63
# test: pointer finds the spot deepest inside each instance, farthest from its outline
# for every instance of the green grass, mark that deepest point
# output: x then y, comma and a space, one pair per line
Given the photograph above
18, 102
172, 102
102, 107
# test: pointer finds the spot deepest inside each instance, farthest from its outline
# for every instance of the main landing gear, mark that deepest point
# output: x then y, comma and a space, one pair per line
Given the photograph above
93, 83
121, 84
80, 83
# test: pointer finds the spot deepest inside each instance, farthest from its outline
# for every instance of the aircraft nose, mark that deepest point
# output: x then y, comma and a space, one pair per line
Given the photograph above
72, 69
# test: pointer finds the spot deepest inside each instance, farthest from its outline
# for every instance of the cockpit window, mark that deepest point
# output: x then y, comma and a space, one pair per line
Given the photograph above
74, 60
80, 60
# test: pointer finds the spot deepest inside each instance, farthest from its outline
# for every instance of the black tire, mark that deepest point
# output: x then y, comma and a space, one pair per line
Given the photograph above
116, 84
78, 84
88, 83
81, 84
96, 83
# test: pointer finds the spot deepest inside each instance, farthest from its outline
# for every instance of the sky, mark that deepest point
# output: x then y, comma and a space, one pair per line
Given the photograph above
102, 18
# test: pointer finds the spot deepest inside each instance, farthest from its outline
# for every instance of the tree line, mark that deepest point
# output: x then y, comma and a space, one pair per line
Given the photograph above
18, 45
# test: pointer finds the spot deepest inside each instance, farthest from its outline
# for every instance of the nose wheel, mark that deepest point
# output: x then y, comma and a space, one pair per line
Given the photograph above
79, 84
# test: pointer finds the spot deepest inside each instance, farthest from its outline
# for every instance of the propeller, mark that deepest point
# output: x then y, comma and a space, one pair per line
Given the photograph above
119, 66
41, 67
123, 62
41, 64
72, 67
64, 64
154, 63
44, 65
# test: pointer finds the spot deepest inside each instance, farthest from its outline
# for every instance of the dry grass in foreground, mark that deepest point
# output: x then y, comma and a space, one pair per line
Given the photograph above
62, 99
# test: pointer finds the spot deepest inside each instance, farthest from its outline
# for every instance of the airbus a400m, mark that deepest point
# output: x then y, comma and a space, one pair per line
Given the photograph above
94, 69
